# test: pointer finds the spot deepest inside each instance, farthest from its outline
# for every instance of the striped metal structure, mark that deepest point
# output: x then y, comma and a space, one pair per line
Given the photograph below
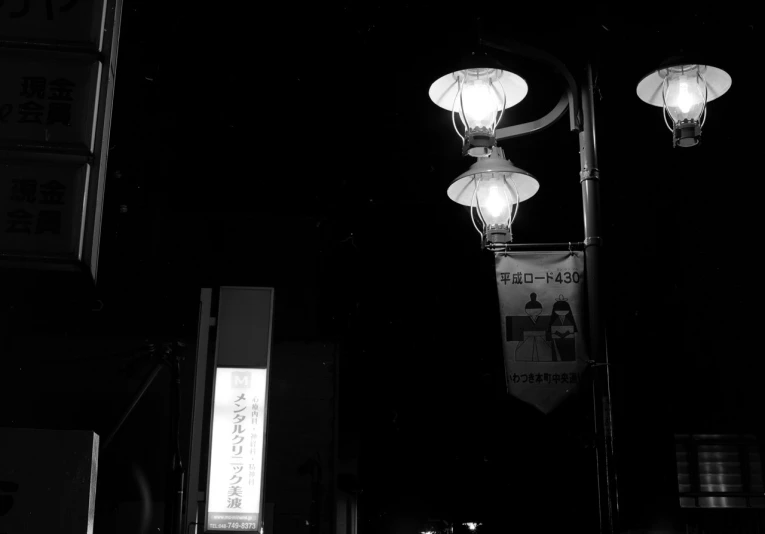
719, 471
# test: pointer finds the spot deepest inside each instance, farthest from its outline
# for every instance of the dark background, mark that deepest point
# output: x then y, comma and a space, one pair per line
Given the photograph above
297, 148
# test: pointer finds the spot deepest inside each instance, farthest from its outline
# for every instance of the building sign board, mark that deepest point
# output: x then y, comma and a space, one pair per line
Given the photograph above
47, 480
47, 100
58, 60
235, 478
41, 208
69, 21
236, 455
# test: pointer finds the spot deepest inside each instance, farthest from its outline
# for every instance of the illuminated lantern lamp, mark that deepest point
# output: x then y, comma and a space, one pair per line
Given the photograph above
492, 188
479, 95
683, 90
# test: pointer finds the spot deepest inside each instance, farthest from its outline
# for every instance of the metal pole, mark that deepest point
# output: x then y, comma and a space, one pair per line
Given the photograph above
590, 181
192, 515
149, 380
179, 471
577, 245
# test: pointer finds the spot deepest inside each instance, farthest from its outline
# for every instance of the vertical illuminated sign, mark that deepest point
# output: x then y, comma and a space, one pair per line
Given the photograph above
236, 453
238, 426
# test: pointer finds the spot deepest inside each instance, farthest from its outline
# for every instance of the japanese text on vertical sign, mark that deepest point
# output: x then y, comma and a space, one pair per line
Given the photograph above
235, 488
22, 8
236, 470
28, 192
47, 102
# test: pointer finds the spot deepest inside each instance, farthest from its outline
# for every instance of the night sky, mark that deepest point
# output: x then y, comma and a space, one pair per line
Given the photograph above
298, 148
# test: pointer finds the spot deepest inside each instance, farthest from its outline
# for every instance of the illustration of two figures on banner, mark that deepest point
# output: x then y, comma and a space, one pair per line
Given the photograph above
543, 338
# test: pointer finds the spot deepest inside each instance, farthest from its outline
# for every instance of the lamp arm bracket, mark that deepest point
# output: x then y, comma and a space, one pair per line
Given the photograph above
589, 174
530, 52
576, 120
593, 241
538, 125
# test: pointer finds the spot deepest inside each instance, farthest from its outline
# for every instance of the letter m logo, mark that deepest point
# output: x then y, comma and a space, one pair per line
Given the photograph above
240, 379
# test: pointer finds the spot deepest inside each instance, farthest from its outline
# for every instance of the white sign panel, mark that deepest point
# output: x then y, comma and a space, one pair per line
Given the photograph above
235, 479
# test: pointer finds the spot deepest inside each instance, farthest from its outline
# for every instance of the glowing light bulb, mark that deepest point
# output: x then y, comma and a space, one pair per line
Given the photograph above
495, 202
684, 93
479, 104
495, 199
684, 97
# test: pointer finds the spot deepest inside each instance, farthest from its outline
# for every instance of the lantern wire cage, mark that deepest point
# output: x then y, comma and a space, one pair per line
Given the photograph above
702, 116
514, 205
498, 88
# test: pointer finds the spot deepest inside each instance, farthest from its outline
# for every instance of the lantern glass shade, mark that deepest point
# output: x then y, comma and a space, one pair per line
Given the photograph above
684, 93
495, 198
480, 102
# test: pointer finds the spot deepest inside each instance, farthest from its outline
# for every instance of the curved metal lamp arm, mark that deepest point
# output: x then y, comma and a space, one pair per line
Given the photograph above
537, 125
571, 96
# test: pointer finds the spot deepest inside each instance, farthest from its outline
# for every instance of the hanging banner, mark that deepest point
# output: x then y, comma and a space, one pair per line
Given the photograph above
541, 298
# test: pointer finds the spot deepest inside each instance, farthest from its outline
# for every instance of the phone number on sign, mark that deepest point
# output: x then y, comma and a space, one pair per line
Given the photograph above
233, 526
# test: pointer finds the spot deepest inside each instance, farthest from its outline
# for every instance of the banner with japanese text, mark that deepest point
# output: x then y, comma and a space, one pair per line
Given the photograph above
541, 301
236, 453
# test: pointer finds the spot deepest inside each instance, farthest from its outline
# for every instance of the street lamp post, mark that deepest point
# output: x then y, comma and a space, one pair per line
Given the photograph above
682, 85
578, 99
580, 103
589, 178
